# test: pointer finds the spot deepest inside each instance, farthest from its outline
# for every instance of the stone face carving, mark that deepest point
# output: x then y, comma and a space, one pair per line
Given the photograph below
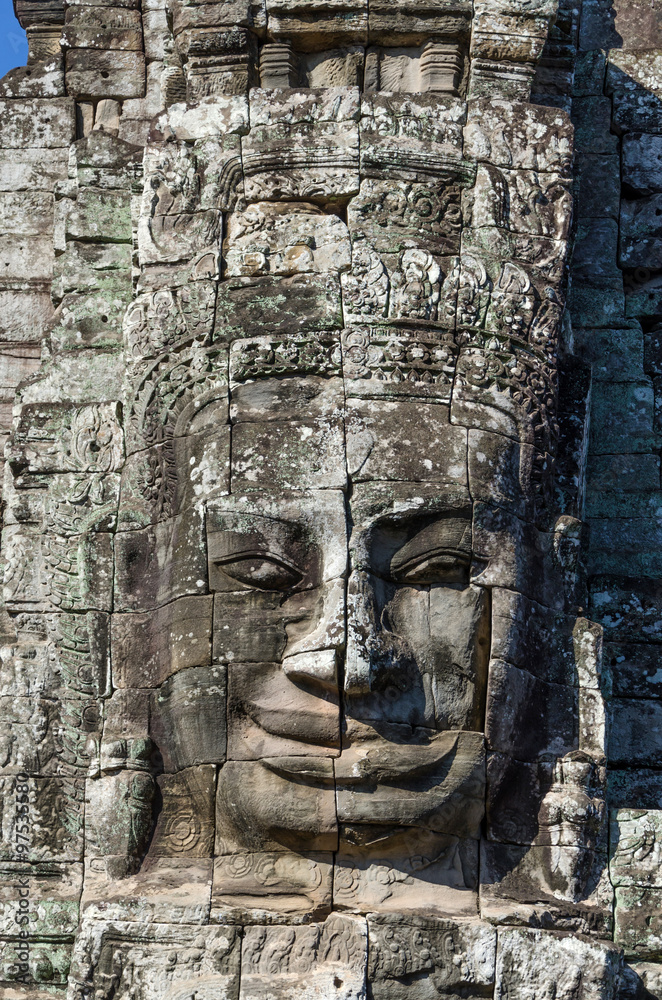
299, 693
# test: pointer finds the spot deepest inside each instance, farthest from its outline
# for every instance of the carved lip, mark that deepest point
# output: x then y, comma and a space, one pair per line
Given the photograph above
308, 727
383, 762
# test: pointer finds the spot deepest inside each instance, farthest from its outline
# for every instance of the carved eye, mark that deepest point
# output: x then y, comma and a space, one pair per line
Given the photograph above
433, 567
263, 572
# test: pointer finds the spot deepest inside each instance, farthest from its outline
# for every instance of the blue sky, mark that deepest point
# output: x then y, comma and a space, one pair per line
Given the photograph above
13, 44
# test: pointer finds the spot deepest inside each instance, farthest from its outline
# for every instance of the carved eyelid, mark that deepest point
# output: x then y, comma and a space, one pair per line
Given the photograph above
460, 558
263, 555
450, 537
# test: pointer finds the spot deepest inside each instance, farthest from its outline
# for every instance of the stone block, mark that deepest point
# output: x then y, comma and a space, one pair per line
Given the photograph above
519, 136
58, 957
227, 115
246, 13
569, 885
29, 258
642, 163
635, 837
590, 67
169, 478
639, 978
615, 355
92, 320
51, 890
178, 544
521, 970
251, 793
276, 306
42, 124
534, 204
284, 239
634, 71
596, 303
500, 539
515, 791
17, 363
292, 456
259, 636
636, 732
104, 161
595, 251
622, 418
188, 718
208, 958
369, 882
592, 119
643, 295
28, 213
60, 437
426, 690
533, 638
155, 34
641, 789
157, 413
260, 883
92, 267
625, 545
500, 470
52, 809
100, 216
380, 436
302, 136
149, 648
270, 716
439, 790
26, 314
348, 22
185, 825
91, 27
638, 28
599, 186
43, 77
73, 573
638, 921
394, 215
635, 669
640, 243
327, 959
94, 74
33, 169
628, 608
635, 108
529, 717
632, 504
418, 960
407, 129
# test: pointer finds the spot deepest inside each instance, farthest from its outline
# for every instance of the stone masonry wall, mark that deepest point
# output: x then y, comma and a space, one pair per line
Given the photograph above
208, 329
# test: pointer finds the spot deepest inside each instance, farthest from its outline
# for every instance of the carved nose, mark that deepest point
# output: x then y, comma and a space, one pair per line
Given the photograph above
319, 666
314, 658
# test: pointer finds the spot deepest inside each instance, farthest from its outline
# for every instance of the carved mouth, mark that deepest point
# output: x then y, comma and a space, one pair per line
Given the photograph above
439, 787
